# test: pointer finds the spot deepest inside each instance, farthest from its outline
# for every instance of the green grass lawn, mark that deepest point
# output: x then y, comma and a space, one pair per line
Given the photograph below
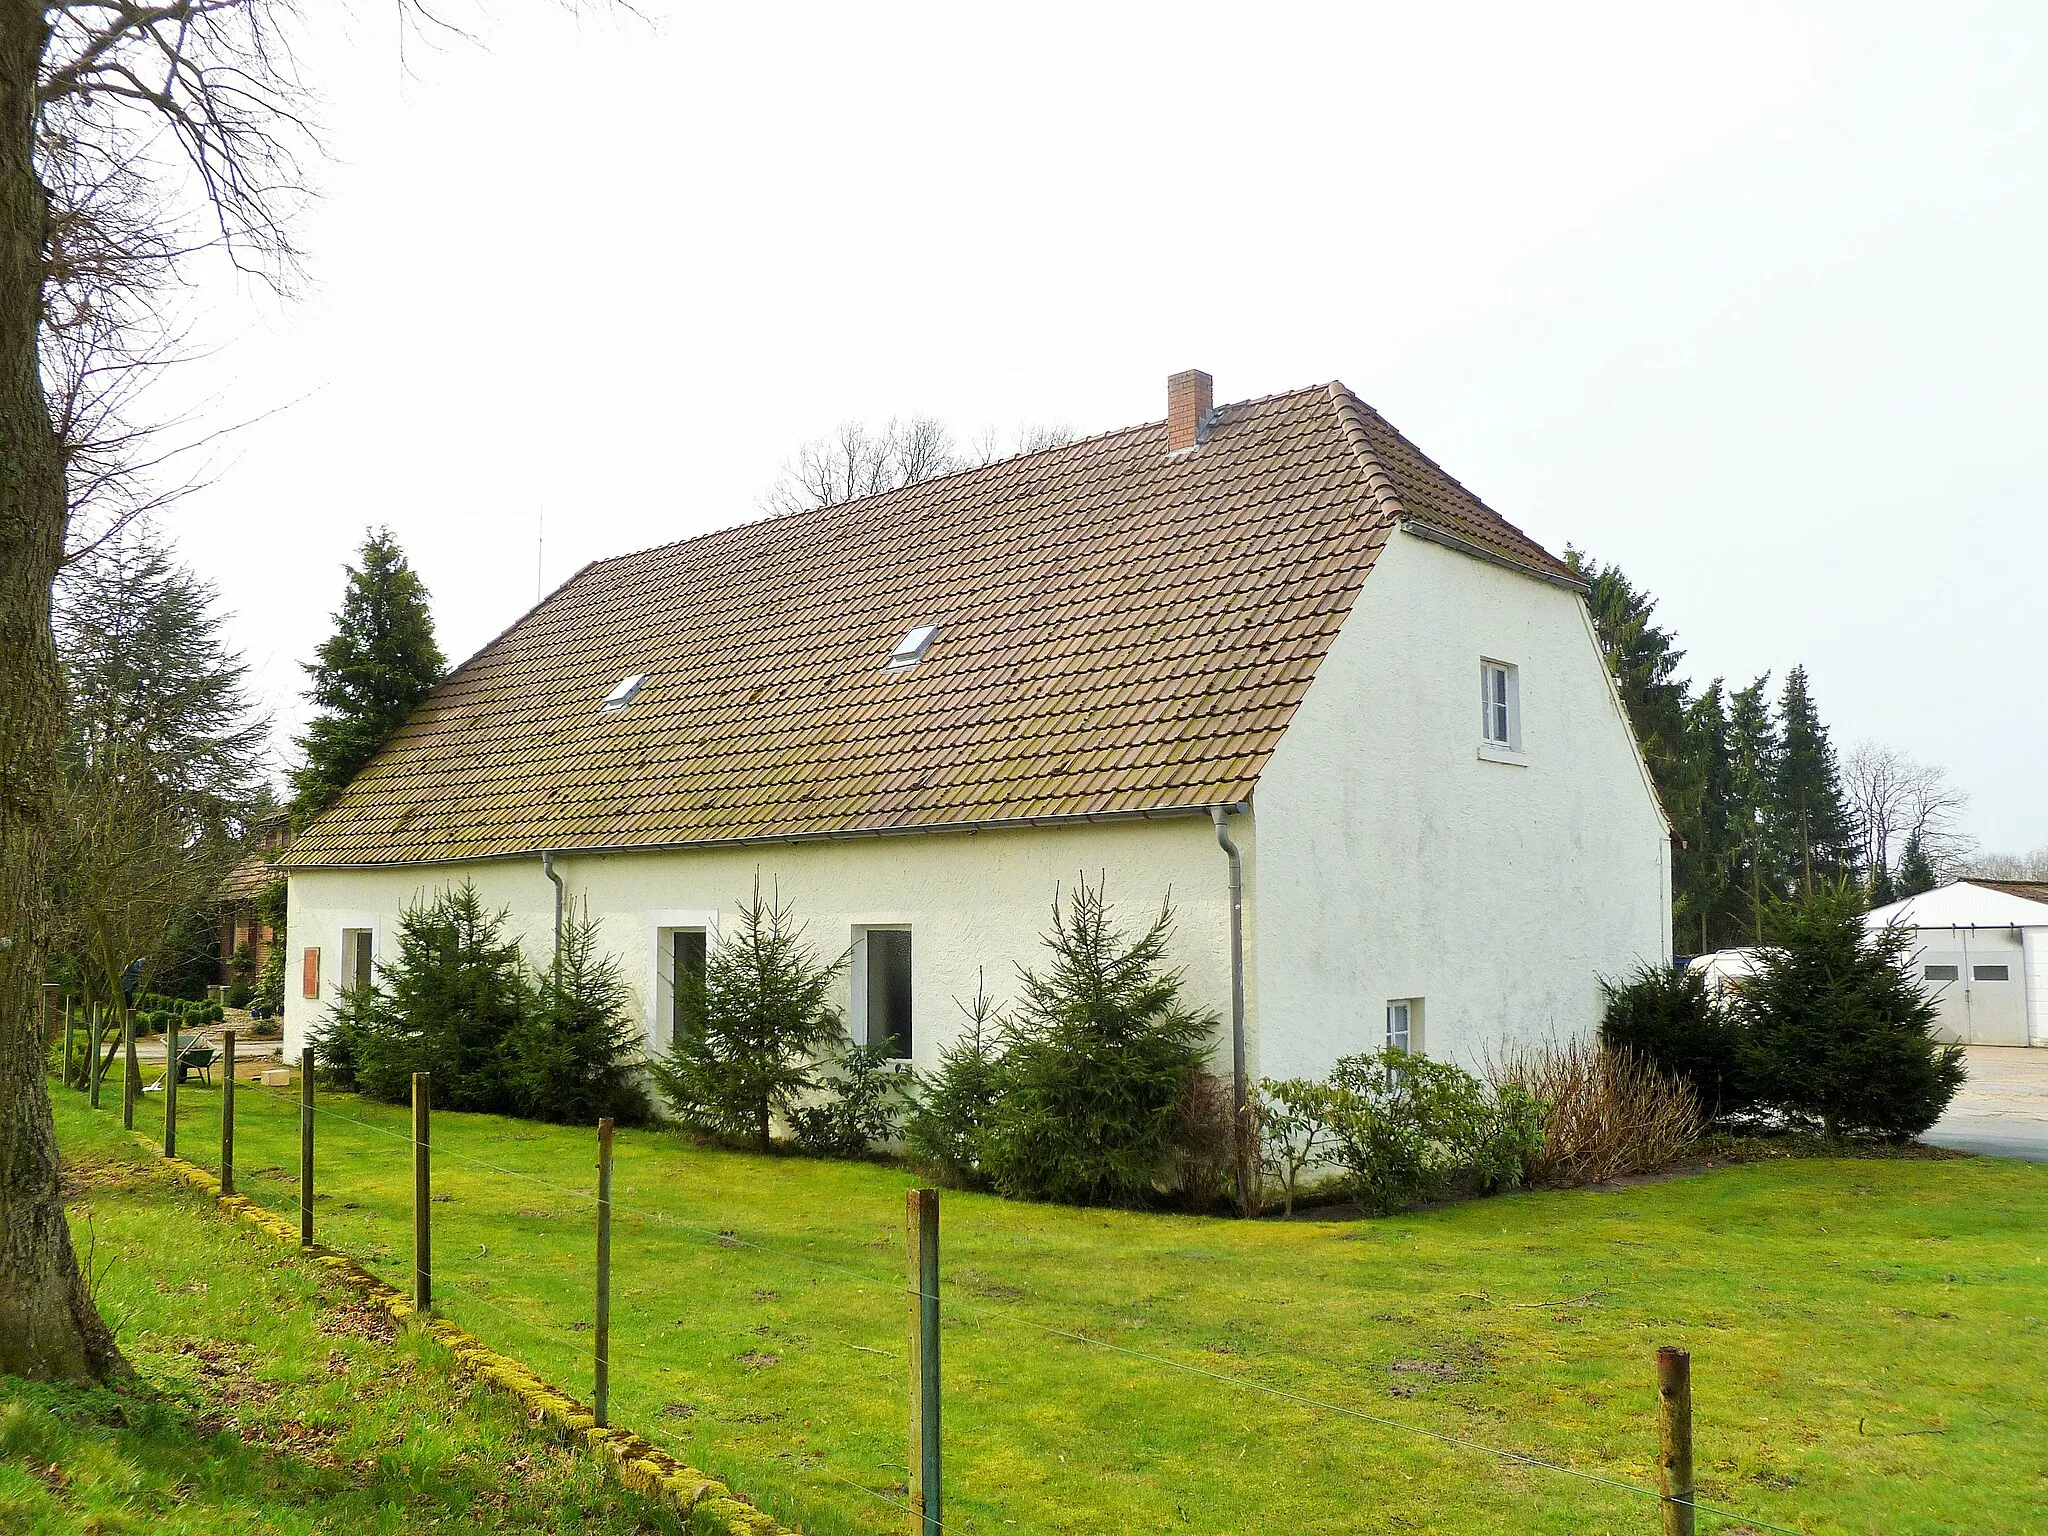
1868, 1335
270, 1401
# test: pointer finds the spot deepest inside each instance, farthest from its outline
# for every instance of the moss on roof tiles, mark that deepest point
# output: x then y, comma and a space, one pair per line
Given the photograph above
1121, 631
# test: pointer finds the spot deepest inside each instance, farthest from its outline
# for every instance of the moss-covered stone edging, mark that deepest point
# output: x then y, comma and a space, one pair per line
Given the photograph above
706, 1504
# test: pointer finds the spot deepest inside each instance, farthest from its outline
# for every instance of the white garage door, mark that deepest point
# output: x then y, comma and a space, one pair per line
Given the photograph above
1978, 979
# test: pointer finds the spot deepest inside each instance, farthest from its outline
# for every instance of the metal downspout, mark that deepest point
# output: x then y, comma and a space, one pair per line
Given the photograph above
547, 867
1239, 1089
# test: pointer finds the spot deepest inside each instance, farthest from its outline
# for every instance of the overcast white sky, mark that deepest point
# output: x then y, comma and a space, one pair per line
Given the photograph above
1749, 299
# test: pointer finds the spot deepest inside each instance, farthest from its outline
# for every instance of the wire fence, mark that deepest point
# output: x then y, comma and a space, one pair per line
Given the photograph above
350, 1187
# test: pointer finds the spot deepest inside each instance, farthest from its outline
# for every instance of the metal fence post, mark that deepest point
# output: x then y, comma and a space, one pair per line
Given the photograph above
602, 1344
422, 1197
170, 1085
227, 1115
927, 1488
306, 1147
1674, 1433
129, 1073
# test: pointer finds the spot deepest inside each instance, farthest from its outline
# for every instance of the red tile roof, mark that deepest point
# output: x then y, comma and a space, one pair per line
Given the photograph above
1121, 630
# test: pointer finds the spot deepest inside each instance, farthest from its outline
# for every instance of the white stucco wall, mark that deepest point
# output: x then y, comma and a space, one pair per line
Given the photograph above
1394, 861
970, 899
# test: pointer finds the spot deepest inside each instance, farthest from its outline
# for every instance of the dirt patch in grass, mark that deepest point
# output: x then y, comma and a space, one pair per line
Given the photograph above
84, 1173
357, 1320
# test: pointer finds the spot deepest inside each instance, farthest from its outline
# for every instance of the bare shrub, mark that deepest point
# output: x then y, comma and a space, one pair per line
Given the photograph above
1611, 1113
1204, 1146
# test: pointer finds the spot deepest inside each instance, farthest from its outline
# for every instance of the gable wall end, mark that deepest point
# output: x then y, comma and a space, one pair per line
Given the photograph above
1396, 861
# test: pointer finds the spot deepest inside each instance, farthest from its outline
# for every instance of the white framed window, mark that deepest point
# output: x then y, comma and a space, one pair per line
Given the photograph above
358, 958
882, 989
1404, 1024
1939, 973
1500, 707
1990, 973
679, 945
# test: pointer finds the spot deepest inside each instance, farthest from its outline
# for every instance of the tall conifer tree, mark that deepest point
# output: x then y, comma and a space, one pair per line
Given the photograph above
1916, 871
380, 661
1807, 789
1703, 913
1757, 870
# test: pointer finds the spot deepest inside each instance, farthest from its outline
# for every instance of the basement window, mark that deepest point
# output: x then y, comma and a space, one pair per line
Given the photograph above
622, 695
911, 648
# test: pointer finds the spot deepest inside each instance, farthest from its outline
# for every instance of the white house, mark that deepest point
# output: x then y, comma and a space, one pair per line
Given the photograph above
1981, 951
1267, 647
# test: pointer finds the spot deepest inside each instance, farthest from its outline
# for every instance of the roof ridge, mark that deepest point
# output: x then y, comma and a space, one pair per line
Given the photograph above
1378, 481
1093, 439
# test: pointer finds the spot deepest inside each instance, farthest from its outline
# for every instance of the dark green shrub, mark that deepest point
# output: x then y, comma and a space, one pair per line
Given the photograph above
1404, 1127
337, 1040
1095, 1064
239, 995
446, 1005
1670, 1019
943, 1134
751, 1028
215, 1013
574, 1057
1838, 1033
1399, 1125
866, 1094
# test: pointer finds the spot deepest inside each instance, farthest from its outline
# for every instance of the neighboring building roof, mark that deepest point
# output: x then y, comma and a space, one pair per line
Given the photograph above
2031, 890
1970, 903
1122, 630
245, 882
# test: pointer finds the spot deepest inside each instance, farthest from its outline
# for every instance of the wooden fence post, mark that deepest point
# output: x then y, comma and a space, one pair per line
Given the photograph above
927, 1489
227, 1115
130, 1067
602, 1344
92, 1060
70, 1074
129, 1074
1674, 1433
170, 1084
306, 1147
422, 1197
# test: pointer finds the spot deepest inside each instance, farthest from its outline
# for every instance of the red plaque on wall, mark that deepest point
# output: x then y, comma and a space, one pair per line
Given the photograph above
312, 986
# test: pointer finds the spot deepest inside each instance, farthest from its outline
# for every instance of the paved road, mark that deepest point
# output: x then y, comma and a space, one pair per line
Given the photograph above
2003, 1108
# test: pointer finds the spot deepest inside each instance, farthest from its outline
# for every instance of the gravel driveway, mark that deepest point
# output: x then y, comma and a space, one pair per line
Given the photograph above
2003, 1108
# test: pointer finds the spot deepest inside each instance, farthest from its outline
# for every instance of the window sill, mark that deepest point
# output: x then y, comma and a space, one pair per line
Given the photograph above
1488, 753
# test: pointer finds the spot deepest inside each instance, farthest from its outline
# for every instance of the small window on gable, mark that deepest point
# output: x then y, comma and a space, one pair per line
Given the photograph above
1500, 723
622, 694
1990, 973
1938, 973
911, 648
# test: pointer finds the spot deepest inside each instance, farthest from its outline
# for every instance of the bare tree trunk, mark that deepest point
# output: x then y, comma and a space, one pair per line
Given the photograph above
49, 1328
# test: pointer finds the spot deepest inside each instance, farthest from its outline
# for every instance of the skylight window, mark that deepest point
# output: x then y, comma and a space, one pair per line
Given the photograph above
911, 648
622, 695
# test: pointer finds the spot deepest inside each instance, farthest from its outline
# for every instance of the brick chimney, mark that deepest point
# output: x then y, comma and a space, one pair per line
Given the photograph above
1190, 405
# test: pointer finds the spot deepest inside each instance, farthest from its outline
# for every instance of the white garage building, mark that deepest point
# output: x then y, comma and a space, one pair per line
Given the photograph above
1982, 954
